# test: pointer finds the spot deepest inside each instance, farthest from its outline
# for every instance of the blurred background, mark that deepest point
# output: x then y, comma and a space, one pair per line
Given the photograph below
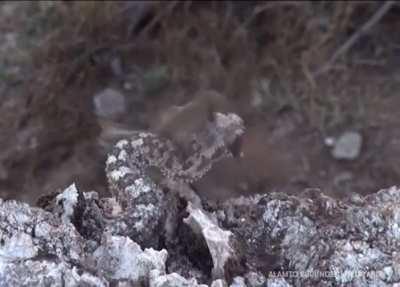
317, 83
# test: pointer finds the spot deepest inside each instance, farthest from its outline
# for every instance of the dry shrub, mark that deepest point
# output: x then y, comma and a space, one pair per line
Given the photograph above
221, 45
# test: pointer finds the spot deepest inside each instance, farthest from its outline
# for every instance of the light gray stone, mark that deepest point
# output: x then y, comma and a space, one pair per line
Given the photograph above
120, 258
219, 283
255, 279
217, 239
238, 282
109, 103
171, 280
347, 146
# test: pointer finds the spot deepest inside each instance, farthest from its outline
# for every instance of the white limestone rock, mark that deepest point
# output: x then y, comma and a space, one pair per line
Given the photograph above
217, 239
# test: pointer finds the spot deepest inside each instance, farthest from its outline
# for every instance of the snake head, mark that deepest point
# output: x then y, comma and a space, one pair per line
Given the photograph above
229, 129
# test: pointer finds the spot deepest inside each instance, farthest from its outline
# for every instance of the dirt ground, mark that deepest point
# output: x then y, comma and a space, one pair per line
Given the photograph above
55, 57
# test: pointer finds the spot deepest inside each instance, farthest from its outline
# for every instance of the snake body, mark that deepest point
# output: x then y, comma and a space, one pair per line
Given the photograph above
128, 166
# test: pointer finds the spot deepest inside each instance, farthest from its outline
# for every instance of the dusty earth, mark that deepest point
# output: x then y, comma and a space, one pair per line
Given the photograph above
50, 135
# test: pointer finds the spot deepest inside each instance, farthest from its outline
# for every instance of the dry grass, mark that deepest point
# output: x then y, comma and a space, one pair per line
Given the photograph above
228, 46
223, 45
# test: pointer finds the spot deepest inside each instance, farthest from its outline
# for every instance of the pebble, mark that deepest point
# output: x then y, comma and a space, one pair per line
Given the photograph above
109, 103
238, 282
347, 146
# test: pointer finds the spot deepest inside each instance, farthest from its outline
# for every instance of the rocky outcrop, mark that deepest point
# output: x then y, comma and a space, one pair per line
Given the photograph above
264, 240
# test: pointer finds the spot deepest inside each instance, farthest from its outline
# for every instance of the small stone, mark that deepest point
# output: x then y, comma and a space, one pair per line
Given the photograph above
217, 239
255, 279
238, 282
347, 146
278, 282
158, 279
120, 258
68, 199
219, 283
109, 103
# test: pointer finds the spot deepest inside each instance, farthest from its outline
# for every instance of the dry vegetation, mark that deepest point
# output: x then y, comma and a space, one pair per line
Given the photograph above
179, 48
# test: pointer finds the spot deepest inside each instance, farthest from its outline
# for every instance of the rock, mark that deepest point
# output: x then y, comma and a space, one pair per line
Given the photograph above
219, 283
255, 279
278, 282
68, 199
109, 103
39, 249
46, 273
219, 241
347, 146
316, 234
238, 282
171, 280
310, 239
119, 258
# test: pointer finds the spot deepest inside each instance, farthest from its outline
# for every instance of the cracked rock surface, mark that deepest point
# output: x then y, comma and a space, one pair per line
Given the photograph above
305, 240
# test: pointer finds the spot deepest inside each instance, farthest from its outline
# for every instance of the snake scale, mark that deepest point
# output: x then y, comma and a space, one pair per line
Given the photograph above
129, 164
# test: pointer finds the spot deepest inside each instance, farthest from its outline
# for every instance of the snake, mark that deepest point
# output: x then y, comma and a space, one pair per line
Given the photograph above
129, 166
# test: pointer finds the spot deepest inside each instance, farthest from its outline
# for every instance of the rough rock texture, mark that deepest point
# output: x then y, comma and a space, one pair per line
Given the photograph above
219, 241
312, 240
148, 235
172, 280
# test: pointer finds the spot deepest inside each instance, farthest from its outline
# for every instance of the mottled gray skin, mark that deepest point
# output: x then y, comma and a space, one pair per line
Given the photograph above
140, 196
206, 147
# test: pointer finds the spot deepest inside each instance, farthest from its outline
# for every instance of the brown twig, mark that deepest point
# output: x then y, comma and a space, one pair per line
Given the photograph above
161, 14
355, 37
